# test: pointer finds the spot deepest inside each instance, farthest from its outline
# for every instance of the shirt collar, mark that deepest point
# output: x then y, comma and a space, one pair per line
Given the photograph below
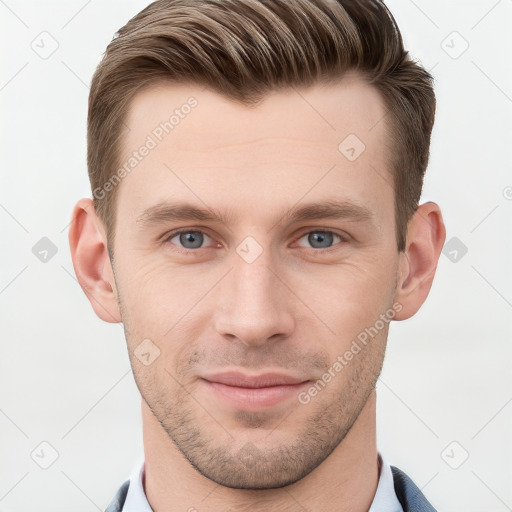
385, 499
136, 500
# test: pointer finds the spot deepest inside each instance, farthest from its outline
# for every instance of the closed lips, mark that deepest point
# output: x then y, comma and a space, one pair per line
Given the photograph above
259, 381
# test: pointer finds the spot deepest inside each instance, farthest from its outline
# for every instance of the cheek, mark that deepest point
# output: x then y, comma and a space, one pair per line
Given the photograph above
351, 294
148, 288
158, 304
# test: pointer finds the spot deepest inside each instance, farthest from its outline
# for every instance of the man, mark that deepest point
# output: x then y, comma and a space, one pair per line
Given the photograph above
256, 167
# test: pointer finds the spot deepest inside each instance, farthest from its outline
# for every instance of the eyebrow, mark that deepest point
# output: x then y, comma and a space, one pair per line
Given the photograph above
166, 211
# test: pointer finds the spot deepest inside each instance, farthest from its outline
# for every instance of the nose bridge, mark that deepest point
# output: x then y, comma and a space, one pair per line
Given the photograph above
255, 284
255, 304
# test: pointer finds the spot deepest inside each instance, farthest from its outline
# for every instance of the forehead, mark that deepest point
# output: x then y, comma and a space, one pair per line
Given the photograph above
197, 115
295, 140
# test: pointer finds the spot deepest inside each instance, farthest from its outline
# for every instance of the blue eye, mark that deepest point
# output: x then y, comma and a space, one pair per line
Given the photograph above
318, 238
189, 240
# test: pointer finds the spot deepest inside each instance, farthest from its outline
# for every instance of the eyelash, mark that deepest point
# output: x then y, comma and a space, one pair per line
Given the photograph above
169, 236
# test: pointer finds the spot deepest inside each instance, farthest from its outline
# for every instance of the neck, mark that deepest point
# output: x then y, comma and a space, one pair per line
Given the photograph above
345, 481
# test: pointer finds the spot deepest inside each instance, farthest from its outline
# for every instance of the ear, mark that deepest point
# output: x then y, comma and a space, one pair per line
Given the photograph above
426, 234
89, 252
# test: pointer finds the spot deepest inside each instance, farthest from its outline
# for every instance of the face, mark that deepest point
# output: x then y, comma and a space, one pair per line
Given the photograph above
292, 259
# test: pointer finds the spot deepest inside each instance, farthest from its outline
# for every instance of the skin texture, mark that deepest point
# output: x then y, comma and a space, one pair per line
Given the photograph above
295, 309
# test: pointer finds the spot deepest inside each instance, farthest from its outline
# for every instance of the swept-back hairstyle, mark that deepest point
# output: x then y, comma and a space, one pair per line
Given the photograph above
243, 49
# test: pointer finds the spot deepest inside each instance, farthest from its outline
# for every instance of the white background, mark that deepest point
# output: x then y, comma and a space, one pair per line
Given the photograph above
64, 374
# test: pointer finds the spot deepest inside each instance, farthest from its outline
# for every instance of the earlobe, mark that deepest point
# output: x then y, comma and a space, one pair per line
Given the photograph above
426, 234
89, 253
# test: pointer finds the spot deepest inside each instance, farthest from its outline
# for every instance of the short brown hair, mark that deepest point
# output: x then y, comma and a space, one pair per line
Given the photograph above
244, 49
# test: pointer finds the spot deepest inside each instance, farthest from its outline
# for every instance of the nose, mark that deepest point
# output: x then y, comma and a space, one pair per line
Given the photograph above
254, 303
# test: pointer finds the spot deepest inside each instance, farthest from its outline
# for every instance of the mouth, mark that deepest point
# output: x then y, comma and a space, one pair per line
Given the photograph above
253, 392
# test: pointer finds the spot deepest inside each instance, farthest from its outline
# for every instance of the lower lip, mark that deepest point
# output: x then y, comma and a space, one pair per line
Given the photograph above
251, 399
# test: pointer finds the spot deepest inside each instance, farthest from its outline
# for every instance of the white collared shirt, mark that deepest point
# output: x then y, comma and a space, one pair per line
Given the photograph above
385, 499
